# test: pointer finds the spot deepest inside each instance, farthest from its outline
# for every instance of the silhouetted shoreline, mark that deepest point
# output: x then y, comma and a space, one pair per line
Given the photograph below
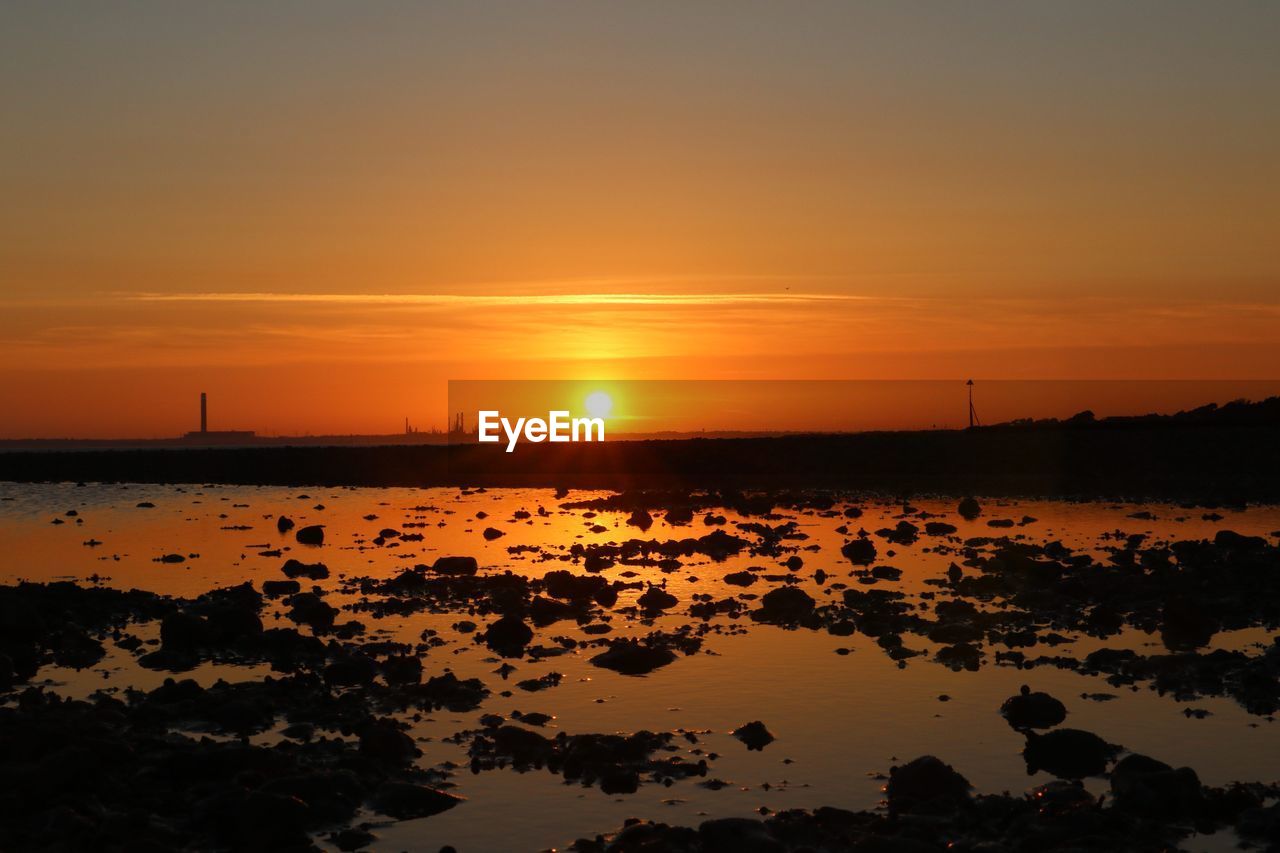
1197, 461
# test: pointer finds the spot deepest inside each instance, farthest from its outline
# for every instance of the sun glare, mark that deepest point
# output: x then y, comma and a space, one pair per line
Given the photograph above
598, 404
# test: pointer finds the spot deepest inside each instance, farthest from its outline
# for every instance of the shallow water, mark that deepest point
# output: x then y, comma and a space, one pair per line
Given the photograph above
840, 720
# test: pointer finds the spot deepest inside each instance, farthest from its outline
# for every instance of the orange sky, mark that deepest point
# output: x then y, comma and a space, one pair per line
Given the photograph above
320, 213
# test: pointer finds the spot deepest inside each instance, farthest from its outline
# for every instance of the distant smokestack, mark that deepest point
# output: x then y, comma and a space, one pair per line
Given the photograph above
204, 413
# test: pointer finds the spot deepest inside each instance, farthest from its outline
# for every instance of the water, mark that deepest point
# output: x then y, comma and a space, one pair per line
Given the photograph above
840, 720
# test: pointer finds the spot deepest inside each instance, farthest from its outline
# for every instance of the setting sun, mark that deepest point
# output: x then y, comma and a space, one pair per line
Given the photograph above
598, 404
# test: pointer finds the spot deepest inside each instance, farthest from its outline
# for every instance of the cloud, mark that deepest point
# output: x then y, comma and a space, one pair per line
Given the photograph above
446, 300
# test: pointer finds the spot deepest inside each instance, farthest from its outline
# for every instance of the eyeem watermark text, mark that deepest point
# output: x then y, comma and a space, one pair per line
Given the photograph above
558, 427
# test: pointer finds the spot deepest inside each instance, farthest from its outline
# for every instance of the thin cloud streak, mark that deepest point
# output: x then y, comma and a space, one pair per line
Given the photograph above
465, 300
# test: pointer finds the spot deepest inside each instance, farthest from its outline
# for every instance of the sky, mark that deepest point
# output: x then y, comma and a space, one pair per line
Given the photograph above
321, 212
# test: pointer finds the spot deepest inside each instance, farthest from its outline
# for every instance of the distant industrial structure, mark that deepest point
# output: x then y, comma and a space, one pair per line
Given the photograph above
973, 413
207, 436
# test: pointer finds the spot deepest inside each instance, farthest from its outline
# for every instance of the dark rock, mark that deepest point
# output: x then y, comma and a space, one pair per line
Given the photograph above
926, 784
1030, 710
679, 515
298, 569
313, 535
860, 552
402, 669
631, 657
1068, 753
183, 632
655, 598
307, 608
754, 735
276, 589
737, 835
463, 566
406, 801
969, 509
1185, 625
383, 740
508, 636
1154, 789
786, 604
351, 670
640, 518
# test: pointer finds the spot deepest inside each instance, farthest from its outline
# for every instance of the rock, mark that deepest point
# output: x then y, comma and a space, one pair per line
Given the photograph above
955, 632
860, 552
406, 801
786, 604
275, 589
491, 533
1185, 626
351, 670
298, 569
1061, 799
284, 524
679, 515
230, 622
465, 566
743, 578
508, 636
1068, 753
960, 656
402, 669
939, 528
313, 535
737, 835
754, 735
619, 780
905, 533
926, 783
1231, 541
382, 740
640, 518
1030, 710
655, 598
269, 821
631, 657
307, 608
1154, 789
969, 509
545, 611
183, 632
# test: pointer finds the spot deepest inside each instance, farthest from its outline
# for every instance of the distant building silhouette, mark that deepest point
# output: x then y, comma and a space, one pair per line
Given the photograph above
206, 436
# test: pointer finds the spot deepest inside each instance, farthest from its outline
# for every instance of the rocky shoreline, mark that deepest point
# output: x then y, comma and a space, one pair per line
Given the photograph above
315, 744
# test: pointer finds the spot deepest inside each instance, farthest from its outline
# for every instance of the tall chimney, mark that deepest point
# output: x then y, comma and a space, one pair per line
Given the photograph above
204, 413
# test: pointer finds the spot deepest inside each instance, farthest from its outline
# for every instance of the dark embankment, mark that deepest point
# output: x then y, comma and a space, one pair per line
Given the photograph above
1203, 462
